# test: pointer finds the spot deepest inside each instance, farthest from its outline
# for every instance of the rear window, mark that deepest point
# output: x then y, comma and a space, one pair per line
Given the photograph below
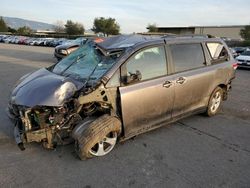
187, 56
217, 51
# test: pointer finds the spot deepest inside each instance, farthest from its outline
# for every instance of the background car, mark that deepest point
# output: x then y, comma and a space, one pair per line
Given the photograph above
7, 39
244, 59
232, 50
68, 47
239, 50
2, 37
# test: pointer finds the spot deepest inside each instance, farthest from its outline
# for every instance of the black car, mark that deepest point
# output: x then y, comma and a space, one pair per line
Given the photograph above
239, 50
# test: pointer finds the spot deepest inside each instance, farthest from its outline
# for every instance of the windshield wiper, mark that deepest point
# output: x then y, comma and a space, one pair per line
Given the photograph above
74, 62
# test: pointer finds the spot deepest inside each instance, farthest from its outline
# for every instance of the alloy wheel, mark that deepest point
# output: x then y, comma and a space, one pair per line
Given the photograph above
216, 100
105, 145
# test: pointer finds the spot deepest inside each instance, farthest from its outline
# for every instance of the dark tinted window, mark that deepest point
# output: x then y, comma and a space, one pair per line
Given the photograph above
187, 56
151, 63
246, 53
217, 50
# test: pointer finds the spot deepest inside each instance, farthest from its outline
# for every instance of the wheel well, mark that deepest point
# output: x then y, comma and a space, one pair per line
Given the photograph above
224, 89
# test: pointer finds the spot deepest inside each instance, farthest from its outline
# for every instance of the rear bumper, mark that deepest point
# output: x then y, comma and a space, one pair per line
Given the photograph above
243, 66
243, 63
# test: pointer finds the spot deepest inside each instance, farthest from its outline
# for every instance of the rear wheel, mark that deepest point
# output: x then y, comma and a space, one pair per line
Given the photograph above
98, 138
215, 101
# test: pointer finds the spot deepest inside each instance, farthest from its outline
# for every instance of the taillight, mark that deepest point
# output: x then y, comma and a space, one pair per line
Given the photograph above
235, 65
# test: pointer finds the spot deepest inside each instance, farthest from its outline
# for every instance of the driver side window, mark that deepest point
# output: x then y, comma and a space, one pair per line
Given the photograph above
149, 63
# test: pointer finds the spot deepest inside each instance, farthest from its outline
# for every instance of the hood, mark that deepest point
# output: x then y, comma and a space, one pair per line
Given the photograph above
243, 57
44, 88
67, 46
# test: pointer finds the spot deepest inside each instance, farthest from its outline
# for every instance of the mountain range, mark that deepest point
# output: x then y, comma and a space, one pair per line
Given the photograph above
19, 22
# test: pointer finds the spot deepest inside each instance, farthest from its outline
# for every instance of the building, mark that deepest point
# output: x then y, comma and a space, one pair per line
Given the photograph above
231, 32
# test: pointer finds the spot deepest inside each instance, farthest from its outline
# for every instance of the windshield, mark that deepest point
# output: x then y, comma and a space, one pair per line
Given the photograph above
247, 53
85, 64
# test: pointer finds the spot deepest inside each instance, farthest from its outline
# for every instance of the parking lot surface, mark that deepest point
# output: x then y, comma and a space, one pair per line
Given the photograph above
195, 152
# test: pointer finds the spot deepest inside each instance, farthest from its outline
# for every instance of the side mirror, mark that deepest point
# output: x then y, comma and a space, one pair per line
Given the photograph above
134, 77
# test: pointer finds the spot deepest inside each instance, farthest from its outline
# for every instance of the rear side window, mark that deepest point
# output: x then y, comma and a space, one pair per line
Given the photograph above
217, 51
187, 56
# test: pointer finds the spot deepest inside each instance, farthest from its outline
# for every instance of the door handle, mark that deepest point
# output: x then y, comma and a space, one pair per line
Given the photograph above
167, 84
181, 80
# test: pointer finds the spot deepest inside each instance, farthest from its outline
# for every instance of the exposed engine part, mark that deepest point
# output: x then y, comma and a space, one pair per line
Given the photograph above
45, 117
105, 98
89, 109
71, 121
104, 105
50, 125
53, 125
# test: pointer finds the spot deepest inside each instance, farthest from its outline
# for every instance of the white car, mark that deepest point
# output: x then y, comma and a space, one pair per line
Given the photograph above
244, 59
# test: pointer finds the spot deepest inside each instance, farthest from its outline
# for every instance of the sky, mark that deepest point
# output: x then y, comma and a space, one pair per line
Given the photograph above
132, 15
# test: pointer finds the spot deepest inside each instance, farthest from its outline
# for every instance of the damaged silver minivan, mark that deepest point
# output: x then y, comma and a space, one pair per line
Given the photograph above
111, 91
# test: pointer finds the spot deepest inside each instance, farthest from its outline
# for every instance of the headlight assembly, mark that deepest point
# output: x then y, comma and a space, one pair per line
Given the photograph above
65, 91
64, 52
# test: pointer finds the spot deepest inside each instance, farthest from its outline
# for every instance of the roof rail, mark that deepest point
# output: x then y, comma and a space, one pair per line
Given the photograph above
155, 33
189, 36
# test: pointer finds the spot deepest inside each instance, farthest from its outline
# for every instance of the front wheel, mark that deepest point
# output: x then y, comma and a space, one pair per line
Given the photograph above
98, 138
215, 101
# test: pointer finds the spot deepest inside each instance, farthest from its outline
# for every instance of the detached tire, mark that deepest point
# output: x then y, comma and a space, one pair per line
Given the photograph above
98, 137
215, 101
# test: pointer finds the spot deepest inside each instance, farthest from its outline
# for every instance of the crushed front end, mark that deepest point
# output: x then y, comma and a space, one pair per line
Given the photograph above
48, 103
44, 108
50, 125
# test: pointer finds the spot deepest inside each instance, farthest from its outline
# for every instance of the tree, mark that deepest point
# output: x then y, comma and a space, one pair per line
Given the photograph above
245, 33
72, 28
12, 30
107, 26
152, 28
3, 25
59, 26
24, 30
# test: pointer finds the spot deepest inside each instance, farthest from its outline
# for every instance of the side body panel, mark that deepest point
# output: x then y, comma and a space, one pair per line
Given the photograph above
146, 104
194, 92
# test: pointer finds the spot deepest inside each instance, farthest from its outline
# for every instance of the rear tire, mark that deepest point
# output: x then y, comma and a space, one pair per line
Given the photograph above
98, 138
215, 101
